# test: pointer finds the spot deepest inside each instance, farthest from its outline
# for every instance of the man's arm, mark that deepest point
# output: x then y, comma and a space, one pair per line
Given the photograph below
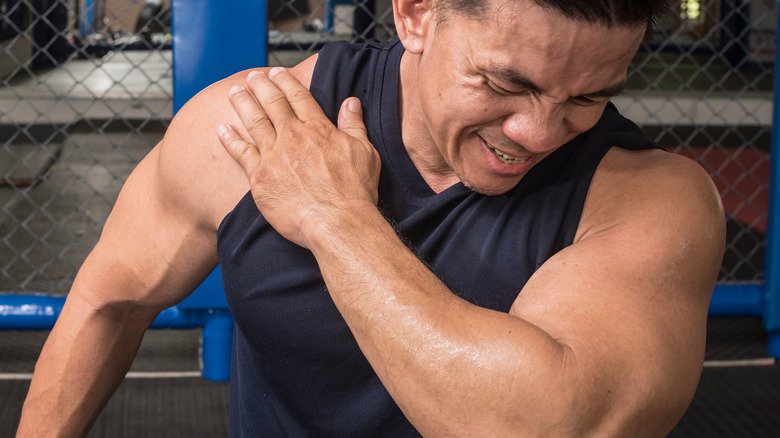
606, 338
148, 257
158, 243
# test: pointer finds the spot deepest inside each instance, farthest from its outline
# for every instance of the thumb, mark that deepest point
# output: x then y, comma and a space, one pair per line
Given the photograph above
351, 119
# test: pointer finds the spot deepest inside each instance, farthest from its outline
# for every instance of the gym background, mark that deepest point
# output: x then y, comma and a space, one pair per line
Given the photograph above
87, 89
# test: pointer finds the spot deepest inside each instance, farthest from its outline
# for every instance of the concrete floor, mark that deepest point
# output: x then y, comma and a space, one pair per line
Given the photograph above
731, 401
663, 88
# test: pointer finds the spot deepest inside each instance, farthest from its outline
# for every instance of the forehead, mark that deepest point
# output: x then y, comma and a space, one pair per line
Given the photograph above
545, 44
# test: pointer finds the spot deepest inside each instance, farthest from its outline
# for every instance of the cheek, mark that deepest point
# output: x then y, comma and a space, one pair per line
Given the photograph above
458, 107
473, 107
580, 119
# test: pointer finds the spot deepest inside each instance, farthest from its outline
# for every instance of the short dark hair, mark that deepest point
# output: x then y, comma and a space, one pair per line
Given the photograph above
606, 12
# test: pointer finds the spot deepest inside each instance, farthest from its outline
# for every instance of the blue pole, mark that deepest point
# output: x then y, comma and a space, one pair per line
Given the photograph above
771, 268
29, 312
217, 345
213, 39
742, 299
87, 18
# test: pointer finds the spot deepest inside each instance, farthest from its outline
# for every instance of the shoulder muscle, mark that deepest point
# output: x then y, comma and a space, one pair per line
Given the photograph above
200, 177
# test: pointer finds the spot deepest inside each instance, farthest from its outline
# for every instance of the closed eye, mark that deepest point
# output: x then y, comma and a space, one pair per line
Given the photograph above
597, 98
584, 101
503, 91
496, 88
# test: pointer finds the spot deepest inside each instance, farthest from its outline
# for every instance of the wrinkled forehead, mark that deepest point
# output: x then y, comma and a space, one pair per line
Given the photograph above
488, 10
522, 24
546, 45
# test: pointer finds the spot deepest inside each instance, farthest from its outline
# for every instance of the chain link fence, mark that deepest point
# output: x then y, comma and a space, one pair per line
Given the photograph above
85, 92
702, 86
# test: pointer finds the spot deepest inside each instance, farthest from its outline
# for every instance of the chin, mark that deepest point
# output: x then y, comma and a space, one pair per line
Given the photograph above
489, 189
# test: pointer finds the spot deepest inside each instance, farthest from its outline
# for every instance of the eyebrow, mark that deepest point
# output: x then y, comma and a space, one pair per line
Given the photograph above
520, 80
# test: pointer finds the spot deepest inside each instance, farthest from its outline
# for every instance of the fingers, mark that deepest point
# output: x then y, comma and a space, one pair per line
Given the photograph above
271, 98
244, 153
298, 96
350, 119
252, 116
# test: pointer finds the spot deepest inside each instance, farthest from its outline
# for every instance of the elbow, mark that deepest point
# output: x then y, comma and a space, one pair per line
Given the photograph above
124, 312
113, 299
578, 399
535, 395
638, 406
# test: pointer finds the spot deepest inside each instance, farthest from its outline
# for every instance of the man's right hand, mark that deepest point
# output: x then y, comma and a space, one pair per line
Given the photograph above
302, 169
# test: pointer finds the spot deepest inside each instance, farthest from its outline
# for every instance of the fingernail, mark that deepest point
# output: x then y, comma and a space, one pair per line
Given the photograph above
253, 73
275, 71
222, 129
235, 89
354, 105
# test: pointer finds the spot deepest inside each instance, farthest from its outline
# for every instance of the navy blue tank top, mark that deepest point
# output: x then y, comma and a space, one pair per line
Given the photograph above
297, 370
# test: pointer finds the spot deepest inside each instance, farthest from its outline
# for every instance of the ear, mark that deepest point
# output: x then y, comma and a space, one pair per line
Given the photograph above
412, 20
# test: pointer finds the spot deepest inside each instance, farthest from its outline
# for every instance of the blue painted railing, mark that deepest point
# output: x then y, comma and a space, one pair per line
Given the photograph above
40, 312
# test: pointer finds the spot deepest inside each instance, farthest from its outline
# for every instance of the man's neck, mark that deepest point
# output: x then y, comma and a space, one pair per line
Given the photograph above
415, 134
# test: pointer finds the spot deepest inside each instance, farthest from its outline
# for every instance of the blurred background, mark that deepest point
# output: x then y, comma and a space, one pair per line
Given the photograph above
87, 89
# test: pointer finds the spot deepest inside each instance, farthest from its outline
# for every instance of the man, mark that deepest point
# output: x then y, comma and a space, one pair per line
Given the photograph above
545, 271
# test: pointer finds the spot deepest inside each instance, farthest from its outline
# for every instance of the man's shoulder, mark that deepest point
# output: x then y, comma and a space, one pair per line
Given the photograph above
656, 170
651, 188
193, 165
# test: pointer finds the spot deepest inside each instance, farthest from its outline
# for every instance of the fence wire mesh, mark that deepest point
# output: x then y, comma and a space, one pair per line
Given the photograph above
702, 87
85, 95
86, 92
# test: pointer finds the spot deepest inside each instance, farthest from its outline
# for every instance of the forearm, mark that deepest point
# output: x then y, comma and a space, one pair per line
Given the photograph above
451, 366
83, 361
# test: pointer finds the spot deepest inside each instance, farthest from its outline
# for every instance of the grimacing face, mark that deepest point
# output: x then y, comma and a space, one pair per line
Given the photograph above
494, 96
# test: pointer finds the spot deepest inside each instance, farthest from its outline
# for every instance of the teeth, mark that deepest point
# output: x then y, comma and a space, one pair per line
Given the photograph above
506, 158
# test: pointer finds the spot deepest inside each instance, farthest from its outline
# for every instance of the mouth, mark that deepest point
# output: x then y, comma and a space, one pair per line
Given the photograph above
503, 156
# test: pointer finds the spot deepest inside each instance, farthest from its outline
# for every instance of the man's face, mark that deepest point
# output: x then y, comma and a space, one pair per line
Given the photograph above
500, 93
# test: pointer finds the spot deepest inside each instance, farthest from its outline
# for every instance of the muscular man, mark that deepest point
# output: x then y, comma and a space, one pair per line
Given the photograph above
483, 246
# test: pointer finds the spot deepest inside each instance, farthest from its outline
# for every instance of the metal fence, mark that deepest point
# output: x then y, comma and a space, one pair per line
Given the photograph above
702, 86
85, 92
84, 97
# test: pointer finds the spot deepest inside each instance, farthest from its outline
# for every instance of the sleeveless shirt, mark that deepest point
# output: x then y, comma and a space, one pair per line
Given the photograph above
297, 370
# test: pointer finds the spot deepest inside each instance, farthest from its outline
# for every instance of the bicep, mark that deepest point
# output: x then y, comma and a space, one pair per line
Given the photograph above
630, 302
152, 251
635, 340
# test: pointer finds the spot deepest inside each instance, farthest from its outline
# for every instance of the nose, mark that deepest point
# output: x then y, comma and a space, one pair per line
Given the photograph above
538, 129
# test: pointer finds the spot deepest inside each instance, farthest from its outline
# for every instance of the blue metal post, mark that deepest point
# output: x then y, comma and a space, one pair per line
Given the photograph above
771, 261
217, 345
29, 312
213, 39
87, 17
